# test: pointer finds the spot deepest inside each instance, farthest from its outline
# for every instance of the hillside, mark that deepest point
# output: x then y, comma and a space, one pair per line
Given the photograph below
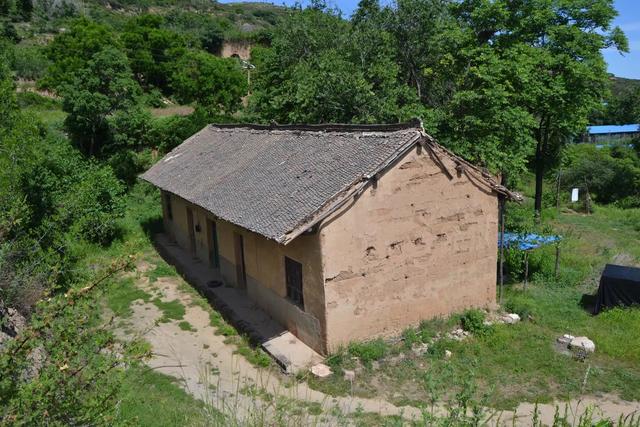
235, 20
621, 86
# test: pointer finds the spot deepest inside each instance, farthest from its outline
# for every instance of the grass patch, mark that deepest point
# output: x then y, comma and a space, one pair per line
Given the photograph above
255, 356
171, 310
121, 294
186, 326
148, 398
222, 327
162, 270
369, 351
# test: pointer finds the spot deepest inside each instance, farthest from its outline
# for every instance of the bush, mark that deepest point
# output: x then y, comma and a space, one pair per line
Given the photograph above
472, 321
520, 305
410, 337
368, 351
30, 62
96, 204
426, 331
610, 173
32, 99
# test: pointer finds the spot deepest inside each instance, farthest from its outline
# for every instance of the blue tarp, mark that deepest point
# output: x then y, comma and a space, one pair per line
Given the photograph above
605, 129
526, 242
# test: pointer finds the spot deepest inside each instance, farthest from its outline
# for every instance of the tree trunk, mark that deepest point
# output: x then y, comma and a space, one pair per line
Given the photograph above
541, 147
539, 168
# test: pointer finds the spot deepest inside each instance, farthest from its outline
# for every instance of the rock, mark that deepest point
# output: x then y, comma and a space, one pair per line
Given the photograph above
565, 339
457, 334
511, 318
321, 370
375, 364
420, 349
349, 375
583, 343
397, 359
447, 354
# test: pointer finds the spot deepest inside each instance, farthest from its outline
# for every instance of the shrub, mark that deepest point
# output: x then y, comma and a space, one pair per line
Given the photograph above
336, 360
438, 348
472, 321
32, 99
611, 173
95, 203
30, 62
410, 337
368, 351
522, 306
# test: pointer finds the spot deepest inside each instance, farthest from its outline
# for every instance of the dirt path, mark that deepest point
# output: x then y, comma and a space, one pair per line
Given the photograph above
210, 370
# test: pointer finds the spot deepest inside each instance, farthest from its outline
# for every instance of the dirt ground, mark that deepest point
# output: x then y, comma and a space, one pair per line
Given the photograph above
208, 368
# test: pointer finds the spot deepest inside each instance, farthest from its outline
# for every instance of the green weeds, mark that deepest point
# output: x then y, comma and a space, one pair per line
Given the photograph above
121, 295
186, 326
171, 310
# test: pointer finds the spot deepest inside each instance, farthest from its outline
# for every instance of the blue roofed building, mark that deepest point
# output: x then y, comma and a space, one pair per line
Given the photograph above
611, 133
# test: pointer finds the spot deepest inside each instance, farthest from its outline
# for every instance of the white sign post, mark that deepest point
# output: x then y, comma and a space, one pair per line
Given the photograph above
574, 195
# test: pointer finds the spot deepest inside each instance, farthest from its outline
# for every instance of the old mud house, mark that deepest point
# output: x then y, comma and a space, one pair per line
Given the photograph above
339, 232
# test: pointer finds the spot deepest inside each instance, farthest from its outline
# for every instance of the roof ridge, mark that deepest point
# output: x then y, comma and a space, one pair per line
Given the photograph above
326, 127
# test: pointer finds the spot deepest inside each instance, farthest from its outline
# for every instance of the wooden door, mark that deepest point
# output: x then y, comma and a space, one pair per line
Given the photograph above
241, 274
214, 254
192, 231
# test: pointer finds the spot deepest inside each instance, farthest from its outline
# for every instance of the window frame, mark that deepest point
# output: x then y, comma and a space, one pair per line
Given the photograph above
294, 282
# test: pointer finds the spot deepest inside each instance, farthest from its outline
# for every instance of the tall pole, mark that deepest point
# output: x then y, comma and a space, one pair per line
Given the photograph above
501, 204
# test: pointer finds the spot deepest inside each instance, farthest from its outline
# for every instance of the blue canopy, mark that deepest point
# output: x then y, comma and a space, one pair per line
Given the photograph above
526, 242
605, 129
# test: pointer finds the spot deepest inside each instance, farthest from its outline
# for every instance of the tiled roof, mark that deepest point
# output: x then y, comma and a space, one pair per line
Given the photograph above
273, 179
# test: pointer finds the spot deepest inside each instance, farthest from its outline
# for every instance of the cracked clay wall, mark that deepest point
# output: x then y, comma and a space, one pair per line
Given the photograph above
415, 246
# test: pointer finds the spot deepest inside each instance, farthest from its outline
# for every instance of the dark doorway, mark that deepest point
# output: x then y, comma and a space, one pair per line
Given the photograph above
214, 254
293, 274
192, 232
241, 274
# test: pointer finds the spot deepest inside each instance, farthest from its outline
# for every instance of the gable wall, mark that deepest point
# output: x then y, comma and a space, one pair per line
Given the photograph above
415, 246
264, 263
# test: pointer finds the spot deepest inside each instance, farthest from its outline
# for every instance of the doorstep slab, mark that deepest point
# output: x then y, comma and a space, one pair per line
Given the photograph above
291, 353
287, 350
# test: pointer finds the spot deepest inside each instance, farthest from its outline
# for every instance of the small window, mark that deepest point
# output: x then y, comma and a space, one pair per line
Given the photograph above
167, 203
293, 273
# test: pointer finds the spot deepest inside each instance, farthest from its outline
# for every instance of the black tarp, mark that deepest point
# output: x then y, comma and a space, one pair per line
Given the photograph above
619, 285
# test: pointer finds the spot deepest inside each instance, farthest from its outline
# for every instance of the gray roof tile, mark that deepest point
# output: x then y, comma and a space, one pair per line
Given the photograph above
270, 179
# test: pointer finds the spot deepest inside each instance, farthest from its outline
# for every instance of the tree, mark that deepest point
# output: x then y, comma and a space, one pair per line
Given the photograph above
212, 37
485, 120
320, 68
25, 8
152, 50
99, 90
426, 35
50, 196
212, 82
71, 50
565, 40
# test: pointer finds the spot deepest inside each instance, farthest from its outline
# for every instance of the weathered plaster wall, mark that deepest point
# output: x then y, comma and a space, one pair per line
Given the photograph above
264, 264
239, 48
415, 246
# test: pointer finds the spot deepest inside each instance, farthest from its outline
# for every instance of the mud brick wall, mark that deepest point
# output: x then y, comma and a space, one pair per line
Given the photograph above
265, 271
416, 245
